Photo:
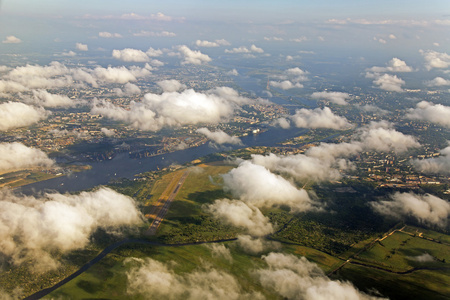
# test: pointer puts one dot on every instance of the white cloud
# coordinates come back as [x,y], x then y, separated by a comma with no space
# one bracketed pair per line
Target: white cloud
[69,53]
[81,47]
[299,39]
[207,44]
[154,52]
[108,132]
[286,85]
[219,136]
[11,40]
[394,65]
[434,59]
[144,33]
[273,38]
[220,251]
[295,277]
[161,17]
[43,98]
[426,208]
[243,49]
[153,279]
[192,56]
[392,37]
[57,75]
[15,114]
[128,89]
[105,34]
[319,118]
[434,113]
[389,83]
[323,162]
[435,165]
[233,72]
[438,81]
[171,85]
[381,136]
[33,229]
[18,156]
[335,97]
[256,245]
[130,55]
[240,214]
[256,185]
[175,109]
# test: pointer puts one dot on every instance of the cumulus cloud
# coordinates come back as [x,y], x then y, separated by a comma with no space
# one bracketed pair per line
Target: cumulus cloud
[219,136]
[108,132]
[434,165]
[394,65]
[130,55]
[319,118]
[390,83]
[175,108]
[14,115]
[18,156]
[335,97]
[171,85]
[144,33]
[381,136]
[220,251]
[43,98]
[33,229]
[154,52]
[243,49]
[297,278]
[291,78]
[81,47]
[11,39]
[57,75]
[434,113]
[128,89]
[242,215]
[438,81]
[256,185]
[256,245]
[424,258]
[105,34]
[69,53]
[426,208]
[154,279]
[323,162]
[286,85]
[216,43]
[192,56]
[434,59]
[233,72]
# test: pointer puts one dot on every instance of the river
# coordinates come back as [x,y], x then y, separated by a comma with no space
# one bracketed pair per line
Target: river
[122,166]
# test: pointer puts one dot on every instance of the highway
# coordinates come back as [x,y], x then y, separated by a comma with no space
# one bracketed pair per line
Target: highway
[161,207]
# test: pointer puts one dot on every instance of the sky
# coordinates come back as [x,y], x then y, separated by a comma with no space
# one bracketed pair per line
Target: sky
[342,23]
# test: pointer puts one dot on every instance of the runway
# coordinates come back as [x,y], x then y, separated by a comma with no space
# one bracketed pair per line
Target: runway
[161,207]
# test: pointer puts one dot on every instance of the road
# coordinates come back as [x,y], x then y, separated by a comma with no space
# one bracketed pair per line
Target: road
[161,207]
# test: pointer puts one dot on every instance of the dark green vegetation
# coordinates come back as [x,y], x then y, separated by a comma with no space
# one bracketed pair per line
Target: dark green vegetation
[409,264]
[346,228]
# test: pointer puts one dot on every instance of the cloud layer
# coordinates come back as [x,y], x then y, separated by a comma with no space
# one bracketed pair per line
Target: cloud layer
[434,113]
[18,156]
[15,114]
[219,136]
[335,97]
[175,108]
[426,209]
[297,278]
[31,229]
